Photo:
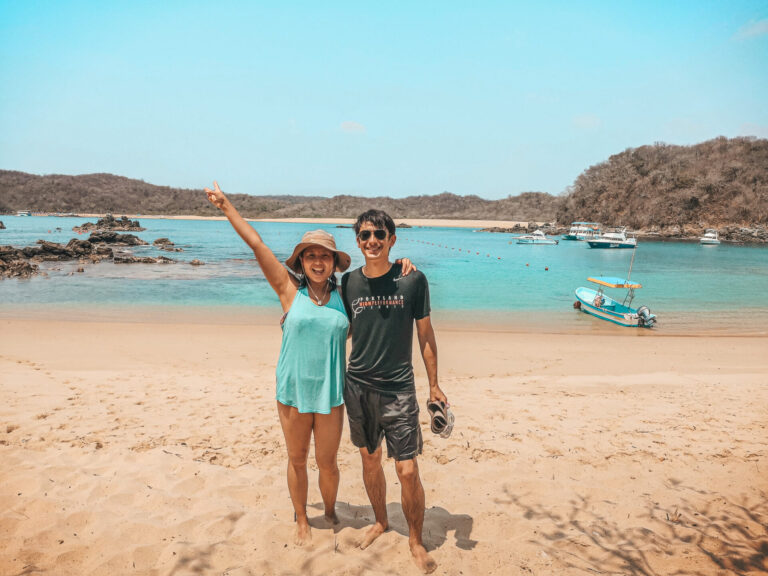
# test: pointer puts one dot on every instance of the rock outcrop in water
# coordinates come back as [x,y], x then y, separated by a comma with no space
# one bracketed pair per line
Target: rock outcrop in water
[109,222]
[24,262]
[110,237]
[166,245]
[2,226]
[131,259]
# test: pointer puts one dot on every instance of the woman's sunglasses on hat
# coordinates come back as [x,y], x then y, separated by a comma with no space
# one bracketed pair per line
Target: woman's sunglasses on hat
[365,235]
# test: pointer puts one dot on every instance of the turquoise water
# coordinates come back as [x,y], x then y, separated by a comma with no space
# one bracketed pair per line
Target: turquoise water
[472,274]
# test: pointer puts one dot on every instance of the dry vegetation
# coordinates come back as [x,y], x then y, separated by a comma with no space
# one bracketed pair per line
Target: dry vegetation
[716,183]
[101,193]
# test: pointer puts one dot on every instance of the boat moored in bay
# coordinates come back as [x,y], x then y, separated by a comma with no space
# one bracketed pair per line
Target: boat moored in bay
[583,231]
[615,238]
[598,304]
[710,238]
[538,237]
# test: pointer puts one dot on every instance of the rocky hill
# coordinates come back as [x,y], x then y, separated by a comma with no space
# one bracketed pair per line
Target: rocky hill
[665,190]
[675,189]
[102,193]
[527,206]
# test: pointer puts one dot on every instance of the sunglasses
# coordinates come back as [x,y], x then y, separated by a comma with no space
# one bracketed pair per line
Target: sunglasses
[366,234]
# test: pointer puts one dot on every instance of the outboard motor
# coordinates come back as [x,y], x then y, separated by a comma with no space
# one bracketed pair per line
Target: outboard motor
[645,317]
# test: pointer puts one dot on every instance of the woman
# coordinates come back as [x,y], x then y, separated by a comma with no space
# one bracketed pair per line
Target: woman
[311,367]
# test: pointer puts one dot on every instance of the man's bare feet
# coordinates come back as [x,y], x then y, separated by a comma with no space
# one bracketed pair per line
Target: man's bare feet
[331,518]
[303,534]
[423,560]
[373,532]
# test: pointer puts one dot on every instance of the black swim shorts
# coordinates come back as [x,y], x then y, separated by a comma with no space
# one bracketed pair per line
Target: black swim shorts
[374,415]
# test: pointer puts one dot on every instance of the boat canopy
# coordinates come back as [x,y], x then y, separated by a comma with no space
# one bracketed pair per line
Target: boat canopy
[613,282]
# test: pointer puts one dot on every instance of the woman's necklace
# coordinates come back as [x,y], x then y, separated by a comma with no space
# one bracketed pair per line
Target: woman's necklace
[314,295]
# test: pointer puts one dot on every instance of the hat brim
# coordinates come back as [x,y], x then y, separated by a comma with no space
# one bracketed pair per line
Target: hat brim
[343,259]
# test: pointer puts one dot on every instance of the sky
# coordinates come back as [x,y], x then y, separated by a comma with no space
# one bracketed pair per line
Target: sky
[371,98]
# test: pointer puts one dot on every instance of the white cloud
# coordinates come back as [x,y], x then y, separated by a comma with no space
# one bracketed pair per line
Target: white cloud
[754,130]
[350,127]
[752,29]
[587,122]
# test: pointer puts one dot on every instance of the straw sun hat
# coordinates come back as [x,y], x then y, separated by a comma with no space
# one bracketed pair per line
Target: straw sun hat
[318,238]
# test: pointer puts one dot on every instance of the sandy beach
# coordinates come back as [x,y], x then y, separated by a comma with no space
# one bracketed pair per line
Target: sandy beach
[154,448]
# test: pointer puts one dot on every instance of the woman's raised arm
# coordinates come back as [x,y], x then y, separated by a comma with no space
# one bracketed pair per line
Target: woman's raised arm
[274,271]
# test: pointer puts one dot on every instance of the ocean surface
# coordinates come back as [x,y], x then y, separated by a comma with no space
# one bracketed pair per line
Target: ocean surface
[475,277]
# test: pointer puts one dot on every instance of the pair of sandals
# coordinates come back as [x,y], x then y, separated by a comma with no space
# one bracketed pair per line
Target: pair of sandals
[441,418]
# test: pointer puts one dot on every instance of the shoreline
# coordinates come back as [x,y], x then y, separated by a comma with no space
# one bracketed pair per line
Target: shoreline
[534,322]
[750,238]
[415,222]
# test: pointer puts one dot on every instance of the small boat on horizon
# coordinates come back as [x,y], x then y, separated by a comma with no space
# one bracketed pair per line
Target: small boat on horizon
[538,237]
[615,238]
[24,213]
[583,231]
[710,238]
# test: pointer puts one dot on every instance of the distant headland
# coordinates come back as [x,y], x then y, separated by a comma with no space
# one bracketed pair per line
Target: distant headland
[658,190]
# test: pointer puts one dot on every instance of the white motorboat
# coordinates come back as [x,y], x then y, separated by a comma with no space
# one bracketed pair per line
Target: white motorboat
[616,238]
[538,237]
[583,231]
[710,238]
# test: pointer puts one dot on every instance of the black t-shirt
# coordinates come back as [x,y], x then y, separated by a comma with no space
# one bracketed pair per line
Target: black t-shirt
[381,313]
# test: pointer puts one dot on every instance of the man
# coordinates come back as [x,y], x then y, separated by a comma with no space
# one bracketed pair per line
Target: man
[380,393]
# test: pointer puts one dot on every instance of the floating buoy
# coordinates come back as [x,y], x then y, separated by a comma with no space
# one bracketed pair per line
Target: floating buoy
[546,268]
[527,264]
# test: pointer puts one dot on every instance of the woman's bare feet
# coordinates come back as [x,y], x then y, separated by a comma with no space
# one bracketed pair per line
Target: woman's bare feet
[423,560]
[303,534]
[373,532]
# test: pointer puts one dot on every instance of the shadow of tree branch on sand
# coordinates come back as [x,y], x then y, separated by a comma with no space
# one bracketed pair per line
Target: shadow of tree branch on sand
[197,559]
[691,539]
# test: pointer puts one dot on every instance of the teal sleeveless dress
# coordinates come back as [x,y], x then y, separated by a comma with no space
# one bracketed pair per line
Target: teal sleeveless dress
[311,367]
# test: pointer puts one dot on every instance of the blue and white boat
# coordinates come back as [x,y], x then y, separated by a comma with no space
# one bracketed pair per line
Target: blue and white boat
[537,237]
[583,231]
[616,238]
[600,305]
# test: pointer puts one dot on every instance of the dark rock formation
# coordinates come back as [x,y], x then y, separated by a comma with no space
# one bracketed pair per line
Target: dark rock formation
[13,264]
[17,269]
[109,222]
[2,226]
[109,237]
[167,245]
[516,229]
[131,259]
[23,262]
